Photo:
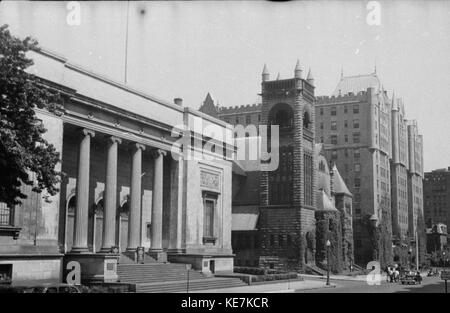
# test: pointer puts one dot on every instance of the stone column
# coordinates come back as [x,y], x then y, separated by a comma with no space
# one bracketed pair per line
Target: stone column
[134,219]
[157,203]
[80,240]
[109,214]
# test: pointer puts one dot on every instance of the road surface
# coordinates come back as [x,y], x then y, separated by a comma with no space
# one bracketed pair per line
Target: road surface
[429,285]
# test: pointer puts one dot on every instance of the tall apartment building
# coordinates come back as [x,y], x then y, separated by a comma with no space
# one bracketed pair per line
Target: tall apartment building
[399,172]
[354,124]
[415,177]
[436,191]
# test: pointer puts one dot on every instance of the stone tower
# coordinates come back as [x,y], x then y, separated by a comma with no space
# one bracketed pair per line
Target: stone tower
[287,197]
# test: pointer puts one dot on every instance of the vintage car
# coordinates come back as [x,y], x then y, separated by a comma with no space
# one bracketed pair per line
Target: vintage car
[410,278]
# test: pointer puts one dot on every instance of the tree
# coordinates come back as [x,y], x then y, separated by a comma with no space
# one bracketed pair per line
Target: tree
[22,146]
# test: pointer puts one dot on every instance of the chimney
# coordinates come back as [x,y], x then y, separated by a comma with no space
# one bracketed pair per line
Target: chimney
[178,101]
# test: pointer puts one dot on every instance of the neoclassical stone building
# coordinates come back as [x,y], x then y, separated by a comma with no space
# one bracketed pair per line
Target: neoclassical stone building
[130,184]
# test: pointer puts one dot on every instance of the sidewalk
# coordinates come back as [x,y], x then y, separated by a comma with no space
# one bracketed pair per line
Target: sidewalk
[283,287]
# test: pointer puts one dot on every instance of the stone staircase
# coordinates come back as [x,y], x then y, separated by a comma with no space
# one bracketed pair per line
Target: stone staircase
[168,277]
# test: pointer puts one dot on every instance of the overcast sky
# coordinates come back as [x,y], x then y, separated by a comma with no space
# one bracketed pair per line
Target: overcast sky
[186,49]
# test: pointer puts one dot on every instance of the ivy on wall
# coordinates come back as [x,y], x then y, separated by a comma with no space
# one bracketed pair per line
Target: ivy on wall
[328,227]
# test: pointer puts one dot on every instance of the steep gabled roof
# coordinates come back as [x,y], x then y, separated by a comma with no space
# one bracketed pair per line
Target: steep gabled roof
[324,203]
[339,186]
[357,83]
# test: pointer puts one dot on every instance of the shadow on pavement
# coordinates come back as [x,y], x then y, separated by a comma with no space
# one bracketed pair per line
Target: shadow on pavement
[438,287]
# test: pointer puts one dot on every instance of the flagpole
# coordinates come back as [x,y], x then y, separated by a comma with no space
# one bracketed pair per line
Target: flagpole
[126,42]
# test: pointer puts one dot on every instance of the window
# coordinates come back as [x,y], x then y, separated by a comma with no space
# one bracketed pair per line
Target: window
[356,109]
[289,240]
[346,138]
[5,215]
[321,125]
[333,111]
[346,151]
[237,120]
[356,138]
[355,123]
[321,111]
[209,205]
[334,140]
[259,117]
[357,182]
[280,180]
[321,139]
[280,240]
[345,124]
[357,167]
[248,119]
[345,109]
[272,240]
[334,125]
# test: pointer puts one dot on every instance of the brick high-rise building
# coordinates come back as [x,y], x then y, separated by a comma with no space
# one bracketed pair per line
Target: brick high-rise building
[436,189]
[380,155]
[354,126]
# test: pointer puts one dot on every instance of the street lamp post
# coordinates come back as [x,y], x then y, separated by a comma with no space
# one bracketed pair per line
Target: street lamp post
[328,244]
[410,258]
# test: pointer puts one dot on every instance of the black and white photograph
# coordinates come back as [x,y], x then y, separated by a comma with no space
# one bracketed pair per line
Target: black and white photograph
[214,149]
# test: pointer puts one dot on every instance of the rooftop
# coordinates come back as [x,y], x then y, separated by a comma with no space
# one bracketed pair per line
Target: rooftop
[357,83]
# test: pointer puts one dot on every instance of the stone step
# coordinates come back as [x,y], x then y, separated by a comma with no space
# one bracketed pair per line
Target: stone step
[181,286]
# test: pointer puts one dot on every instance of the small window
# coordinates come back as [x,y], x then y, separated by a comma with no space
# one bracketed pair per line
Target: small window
[346,138]
[357,167]
[334,139]
[334,125]
[355,123]
[280,240]
[356,109]
[356,138]
[248,119]
[321,125]
[333,111]
[321,111]
[237,120]
[321,139]
[356,154]
[345,124]
[345,109]
[357,182]
[272,240]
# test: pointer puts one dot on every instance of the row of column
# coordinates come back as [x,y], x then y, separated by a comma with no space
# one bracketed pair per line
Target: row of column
[110,196]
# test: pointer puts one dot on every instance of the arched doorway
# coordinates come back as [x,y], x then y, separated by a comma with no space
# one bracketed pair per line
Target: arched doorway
[122,225]
[98,225]
[70,222]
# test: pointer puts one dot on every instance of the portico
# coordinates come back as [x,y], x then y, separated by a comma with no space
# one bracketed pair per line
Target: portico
[127,182]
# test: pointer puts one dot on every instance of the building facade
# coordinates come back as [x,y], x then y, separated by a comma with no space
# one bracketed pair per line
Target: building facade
[354,126]
[275,212]
[436,187]
[379,153]
[130,185]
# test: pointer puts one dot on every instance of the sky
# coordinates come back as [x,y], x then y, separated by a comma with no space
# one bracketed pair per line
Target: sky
[189,48]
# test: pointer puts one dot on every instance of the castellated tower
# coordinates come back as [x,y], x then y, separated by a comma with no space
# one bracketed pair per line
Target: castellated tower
[287,197]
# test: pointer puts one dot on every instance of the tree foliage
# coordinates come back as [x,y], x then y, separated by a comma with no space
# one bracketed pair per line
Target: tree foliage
[23,149]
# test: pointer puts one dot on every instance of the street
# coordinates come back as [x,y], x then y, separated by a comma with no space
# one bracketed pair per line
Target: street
[429,285]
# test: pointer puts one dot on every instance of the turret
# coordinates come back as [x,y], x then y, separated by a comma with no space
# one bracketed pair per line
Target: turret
[310,78]
[265,74]
[298,70]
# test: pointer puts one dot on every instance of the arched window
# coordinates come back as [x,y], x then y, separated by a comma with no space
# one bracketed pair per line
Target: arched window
[281,114]
[71,206]
[124,209]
